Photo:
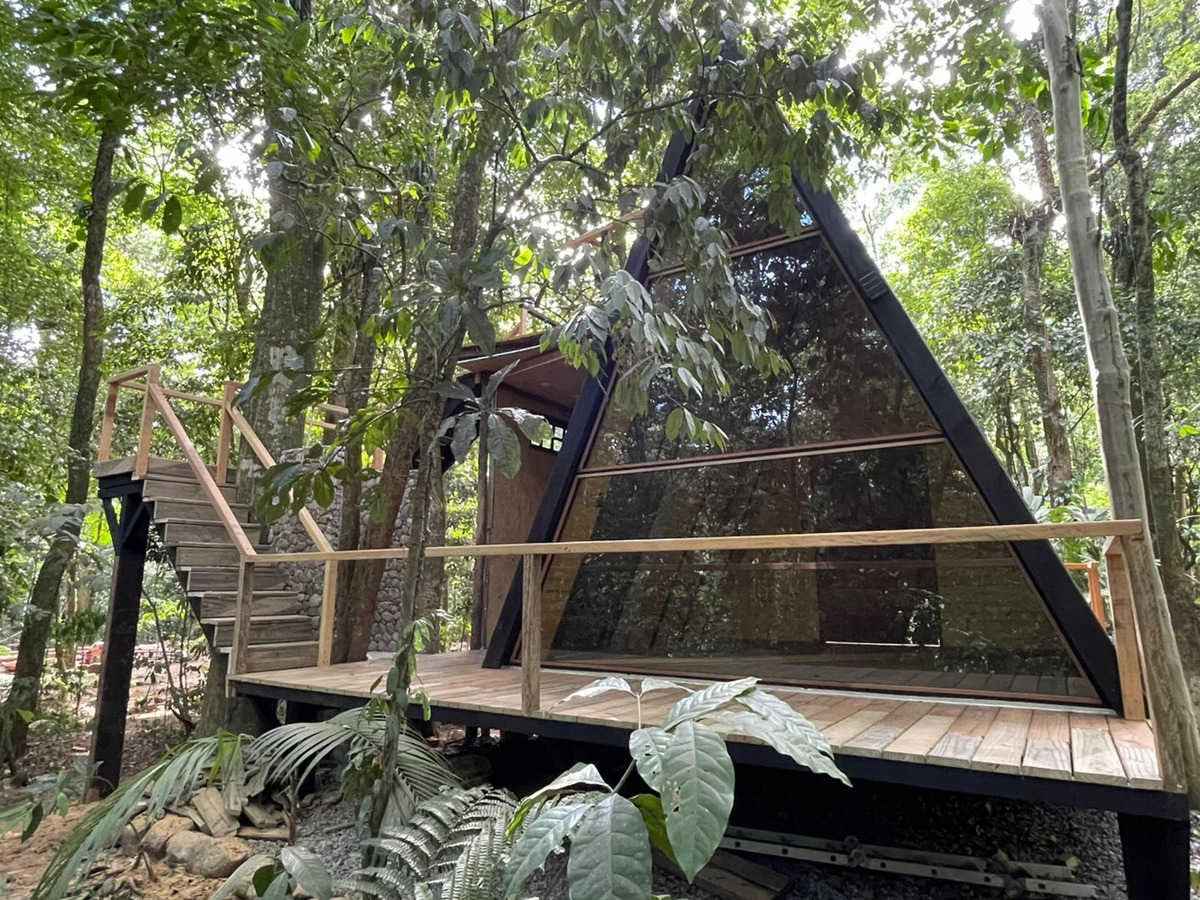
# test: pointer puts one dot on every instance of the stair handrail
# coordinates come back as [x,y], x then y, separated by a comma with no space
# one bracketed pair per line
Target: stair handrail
[160,404]
[329,581]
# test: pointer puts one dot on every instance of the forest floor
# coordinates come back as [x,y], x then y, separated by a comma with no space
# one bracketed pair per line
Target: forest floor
[938,821]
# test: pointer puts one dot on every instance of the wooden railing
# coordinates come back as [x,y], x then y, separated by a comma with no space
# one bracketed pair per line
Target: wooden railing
[1118,532]
[156,402]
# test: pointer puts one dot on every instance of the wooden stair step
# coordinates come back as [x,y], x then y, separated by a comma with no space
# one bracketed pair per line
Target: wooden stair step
[269,657]
[195,510]
[280,629]
[172,468]
[202,579]
[190,554]
[161,487]
[223,604]
[195,531]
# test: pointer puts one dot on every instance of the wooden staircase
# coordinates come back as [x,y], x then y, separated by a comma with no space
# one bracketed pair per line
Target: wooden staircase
[282,634]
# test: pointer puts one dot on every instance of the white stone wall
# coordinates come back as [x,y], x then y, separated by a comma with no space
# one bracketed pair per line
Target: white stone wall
[288,536]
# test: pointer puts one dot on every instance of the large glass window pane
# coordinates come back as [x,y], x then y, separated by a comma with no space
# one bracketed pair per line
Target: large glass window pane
[953,617]
[844,382]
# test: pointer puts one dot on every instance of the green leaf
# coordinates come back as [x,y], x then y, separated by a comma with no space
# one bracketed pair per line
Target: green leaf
[503,446]
[776,735]
[674,423]
[697,779]
[172,215]
[655,819]
[308,870]
[651,683]
[708,699]
[539,839]
[322,488]
[646,746]
[255,864]
[598,687]
[778,712]
[610,854]
[134,198]
[479,327]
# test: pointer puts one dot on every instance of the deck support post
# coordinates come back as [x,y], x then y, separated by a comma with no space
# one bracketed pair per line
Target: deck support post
[120,642]
[1129,653]
[531,635]
[1155,852]
[141,462]
[238,663]
[328,613]
[225,437]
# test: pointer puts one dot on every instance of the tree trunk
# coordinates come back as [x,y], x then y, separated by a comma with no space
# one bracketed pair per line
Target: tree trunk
[433,578]
[43,599]
[1033,233]
[1160,494]
[447,338]
[292,301]
[1175,722]
[356,607]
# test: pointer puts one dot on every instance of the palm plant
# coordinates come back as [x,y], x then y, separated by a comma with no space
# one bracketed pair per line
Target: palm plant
[244,766]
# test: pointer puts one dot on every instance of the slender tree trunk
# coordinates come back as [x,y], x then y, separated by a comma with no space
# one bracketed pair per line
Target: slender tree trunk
[43,599]
[1160,494]
[1179,742]
[447,339]
[356,607]
[1033,232]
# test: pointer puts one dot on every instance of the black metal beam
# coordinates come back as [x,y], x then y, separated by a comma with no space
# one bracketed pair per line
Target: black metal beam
[1156,855]
[120,642]
[1083,633]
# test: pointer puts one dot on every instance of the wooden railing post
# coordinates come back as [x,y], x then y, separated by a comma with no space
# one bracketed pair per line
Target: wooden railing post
[531,635]
[238,663]
[142,462]
[328,604]
[104,451]
[1129,659]
[225,437]
[1096,592]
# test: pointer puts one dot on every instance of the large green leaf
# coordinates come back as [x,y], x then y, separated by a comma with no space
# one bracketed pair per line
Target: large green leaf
[697,793]
[655,819]
[539,839]
[308,870]
[708,699]
[646,746]
[778,736]
[598,687]
[775,710]
[610,855]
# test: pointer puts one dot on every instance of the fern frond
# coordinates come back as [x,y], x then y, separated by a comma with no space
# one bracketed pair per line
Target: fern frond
[455,844]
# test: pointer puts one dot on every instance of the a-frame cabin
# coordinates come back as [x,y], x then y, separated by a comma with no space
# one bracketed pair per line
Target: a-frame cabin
[962,657]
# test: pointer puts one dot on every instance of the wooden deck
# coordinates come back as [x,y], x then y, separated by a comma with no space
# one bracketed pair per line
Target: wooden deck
[1034,741]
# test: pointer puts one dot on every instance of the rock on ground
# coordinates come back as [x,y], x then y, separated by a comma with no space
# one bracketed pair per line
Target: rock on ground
[208,857]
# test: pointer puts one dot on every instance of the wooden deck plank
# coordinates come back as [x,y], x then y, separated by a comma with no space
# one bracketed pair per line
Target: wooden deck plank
[856,723]
[1048,749]
[1093,754]
[1003,747]
[962,739]
[915,743]
[872,741]
[1138,751]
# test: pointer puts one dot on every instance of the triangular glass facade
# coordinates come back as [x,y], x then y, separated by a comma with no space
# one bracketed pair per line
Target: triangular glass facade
[841,442]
